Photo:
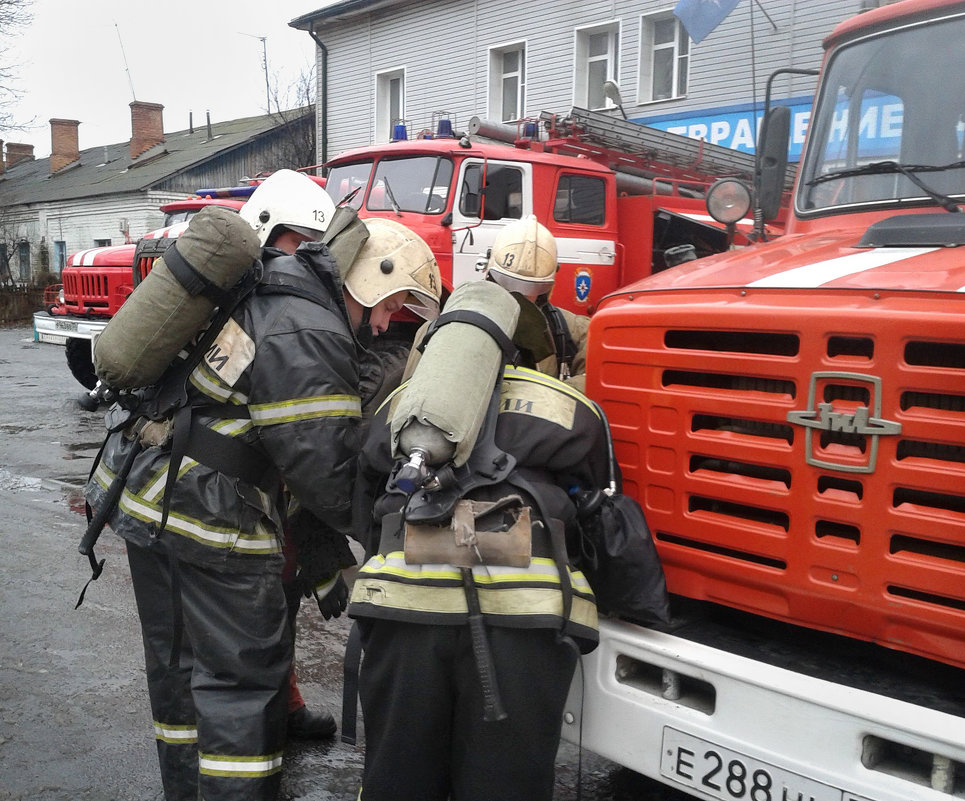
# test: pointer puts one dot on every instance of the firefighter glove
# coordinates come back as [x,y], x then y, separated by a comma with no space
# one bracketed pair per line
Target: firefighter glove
[332,596]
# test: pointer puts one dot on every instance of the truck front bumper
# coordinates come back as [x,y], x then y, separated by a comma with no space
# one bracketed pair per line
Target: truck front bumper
[58,329]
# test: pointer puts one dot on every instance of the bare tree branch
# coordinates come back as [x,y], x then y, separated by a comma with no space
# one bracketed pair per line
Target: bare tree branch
[288,106]
[14,16]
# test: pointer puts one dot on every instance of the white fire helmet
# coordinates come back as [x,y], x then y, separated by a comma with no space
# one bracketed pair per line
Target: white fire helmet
[523,258]
[393,259]
[289,199]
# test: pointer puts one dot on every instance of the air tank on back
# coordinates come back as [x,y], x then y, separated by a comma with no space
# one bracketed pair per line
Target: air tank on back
[442,407]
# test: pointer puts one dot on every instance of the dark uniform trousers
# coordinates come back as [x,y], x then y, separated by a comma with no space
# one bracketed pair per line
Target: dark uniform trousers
[219,696]
[423,713]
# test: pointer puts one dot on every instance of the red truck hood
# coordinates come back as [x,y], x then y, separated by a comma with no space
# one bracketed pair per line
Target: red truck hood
[829,260]
[111,256]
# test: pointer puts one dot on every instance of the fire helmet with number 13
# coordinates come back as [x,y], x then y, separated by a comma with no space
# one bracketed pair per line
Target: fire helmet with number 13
[288,200]
[523,258]
[395,259]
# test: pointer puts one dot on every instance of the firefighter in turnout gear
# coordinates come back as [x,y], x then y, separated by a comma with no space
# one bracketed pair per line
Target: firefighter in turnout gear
[473,712]
[272,403]
[523,260]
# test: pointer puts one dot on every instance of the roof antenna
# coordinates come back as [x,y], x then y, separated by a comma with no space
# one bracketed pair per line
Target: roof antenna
[124,56]
[264,64]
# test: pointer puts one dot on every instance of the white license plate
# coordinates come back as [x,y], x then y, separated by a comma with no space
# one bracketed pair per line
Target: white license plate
[65,325]
[721,773]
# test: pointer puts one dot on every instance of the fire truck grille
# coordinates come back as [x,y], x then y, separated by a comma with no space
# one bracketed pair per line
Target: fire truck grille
[812,470]
[87,290]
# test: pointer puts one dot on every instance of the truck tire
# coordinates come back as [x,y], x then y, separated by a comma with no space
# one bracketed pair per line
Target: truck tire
[80,362]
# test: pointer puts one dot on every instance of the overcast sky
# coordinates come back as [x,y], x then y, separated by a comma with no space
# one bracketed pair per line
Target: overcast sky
[187,55]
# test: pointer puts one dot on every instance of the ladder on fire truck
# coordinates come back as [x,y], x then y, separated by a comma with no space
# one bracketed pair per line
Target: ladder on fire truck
[630,146]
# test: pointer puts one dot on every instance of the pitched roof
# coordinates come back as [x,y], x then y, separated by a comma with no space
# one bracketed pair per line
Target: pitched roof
[337,10]
[110,170]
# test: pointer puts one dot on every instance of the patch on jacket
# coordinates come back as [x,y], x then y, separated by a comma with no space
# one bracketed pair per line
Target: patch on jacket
[230,353]
[536,400]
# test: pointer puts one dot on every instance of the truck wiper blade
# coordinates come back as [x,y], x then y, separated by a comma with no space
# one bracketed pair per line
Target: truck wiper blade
[391,196]
[908,170]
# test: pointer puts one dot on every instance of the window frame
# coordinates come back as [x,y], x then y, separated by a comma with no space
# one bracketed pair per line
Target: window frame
[582,61]
[23,260]
[498,76]
[680,74]
[384,119]
[60,255]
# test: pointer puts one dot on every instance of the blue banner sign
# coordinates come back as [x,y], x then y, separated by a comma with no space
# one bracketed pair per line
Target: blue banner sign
[737,126]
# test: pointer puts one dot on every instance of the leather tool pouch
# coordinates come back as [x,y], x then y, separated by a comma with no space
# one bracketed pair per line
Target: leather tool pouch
[479,533]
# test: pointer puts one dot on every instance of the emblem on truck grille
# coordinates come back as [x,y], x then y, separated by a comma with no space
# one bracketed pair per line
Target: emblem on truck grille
[862,424]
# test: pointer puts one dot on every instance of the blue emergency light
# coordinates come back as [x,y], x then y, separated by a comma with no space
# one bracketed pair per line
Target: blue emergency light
[398,132]
[444,129]
[230,191]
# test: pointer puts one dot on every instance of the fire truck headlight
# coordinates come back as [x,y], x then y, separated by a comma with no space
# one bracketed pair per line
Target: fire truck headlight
[728,200]
[60,297]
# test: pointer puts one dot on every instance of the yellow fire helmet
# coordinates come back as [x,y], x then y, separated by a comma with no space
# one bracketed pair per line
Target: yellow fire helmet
[523,258]
[393,259]
[291,200]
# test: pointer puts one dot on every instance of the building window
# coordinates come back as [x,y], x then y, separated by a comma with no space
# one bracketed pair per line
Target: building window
[389,103]
[60,256]
[102,243]
[596,62]
[664,58]
[507,82]
[23,260]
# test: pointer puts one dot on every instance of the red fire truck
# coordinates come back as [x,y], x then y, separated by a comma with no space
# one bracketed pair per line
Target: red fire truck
[615,195]
[791,416]
[95,284]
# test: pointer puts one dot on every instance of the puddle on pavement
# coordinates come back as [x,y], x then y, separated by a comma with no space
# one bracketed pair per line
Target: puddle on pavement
[81,450]
[8,429]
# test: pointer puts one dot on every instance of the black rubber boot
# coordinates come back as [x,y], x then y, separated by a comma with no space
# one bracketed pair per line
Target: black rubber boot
[303,724]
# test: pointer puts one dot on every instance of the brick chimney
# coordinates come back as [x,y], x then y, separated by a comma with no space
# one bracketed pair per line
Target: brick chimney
[1,157]
[147,127]
[17,153]
[63,144]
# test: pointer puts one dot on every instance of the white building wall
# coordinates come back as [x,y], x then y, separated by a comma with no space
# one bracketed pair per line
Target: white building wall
[443,46]
[80,223]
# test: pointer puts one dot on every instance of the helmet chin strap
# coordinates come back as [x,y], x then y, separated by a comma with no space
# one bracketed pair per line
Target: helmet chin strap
[364,331]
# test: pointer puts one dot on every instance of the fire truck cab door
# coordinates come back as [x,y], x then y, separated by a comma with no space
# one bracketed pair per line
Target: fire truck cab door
[506,195]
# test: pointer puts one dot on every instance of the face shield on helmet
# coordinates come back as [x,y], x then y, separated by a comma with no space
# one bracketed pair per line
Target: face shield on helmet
[288,199]
[523,258]
[395,259]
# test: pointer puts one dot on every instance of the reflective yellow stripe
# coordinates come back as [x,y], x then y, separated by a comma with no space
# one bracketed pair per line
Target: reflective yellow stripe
[209,384]
[542,570]
[522,374]
[261,541]
[241,767]
[176,734]
[536,377]
[521,602]
[306,409]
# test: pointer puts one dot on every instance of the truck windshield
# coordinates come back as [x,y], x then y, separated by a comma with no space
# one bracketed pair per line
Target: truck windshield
[889,122]
[419,184]
[349,179]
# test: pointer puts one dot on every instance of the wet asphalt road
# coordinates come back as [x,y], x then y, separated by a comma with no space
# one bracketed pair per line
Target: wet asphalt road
[74,716]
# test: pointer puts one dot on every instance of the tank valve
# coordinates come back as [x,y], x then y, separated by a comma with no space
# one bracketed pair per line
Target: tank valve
[413,474]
